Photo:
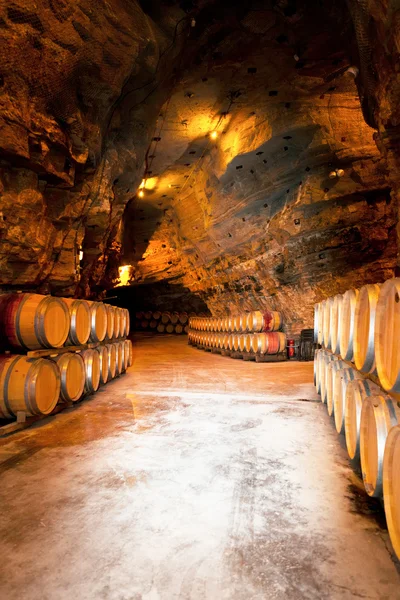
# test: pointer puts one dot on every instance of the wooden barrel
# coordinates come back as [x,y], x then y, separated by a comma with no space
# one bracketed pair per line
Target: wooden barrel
[356,392]
[128,353]
[248,342]
[98,321]
[333,367]
[153,324]
[127,322]
[237,323]
[144,323]
[169,328]
[272,320]
[120,350]
[387,336]
[110,321]
[316,314]
[72,372]
[174,318]
[321,312]
[364,328]
[103,355]
[122,327]
[327,323]
[186,329]
[178,328]
[161,328]
[268,343]
[148,315]
[230,341]
[28,385]
[165,318]
[32,321]
[183,318]
[378,416]
[391,487]
[79,313]
[324,373]
[235,342]
[255,321]
[336,320]
[112,360]
[346,338]
[342,379]
[91,359]
[317,358]
[156,315]
[242,342]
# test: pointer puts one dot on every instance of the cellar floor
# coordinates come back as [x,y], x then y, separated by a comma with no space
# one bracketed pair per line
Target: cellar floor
[191,477]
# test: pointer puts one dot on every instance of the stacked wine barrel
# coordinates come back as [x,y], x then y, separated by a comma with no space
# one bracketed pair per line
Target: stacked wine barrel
[34,373]
[256,333]
[357,373]
[162,322]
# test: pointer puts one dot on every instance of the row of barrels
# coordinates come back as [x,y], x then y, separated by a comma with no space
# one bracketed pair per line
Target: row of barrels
[363,326]
[33,321]
[254,322]
[35,386]
[369,419]
[165,318]
[257,343]
[152,325]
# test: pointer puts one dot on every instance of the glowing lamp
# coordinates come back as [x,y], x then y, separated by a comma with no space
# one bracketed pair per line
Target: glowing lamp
[213,135]
[124,275]
[141,193]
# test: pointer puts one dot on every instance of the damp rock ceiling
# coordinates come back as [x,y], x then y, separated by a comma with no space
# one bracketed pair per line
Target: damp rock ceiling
[96,97]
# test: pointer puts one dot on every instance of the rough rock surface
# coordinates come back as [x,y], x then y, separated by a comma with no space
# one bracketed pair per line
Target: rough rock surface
[97,97]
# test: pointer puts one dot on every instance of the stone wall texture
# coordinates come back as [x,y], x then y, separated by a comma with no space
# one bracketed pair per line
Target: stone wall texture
[96,97]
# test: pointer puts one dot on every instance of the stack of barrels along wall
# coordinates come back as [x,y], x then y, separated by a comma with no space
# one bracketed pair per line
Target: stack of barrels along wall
[257,333]
[357,374]
[163,322]
[96,333]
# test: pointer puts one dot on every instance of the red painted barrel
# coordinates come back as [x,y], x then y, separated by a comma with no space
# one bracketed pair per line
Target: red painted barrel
[272,320]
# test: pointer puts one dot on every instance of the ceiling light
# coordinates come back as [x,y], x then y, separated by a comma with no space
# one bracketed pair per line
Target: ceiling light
[141,193]
[214,135]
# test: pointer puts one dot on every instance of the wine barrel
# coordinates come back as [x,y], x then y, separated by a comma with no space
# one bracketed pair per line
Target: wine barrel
[98,321]
[112,360]
[157,315]
[174,318]
[387,336]
[242,342]
[148,315]
[356,392]
[346,338]
[178,328]
[333,367]
[327,323]
[139,315]
[236,323]
[127,322]
[161,328]
[391,487]
[336,321]
[92,370]
[321,312]
[230,341]
[153,324]
[186,329]
[316,366]
[268,343]
[144,324]
[110,321]
[120,350]
[169,328]
[32,321]
[316,314]
[342,379]
[272,320]
[165,318]
[183,318]
[255,321]
[248,342]
[117,322]
[235,342]
[364,328]
[79,313]
[28,385]
[128,353]
[103,355]
[72,372]
[324,373]
[378,416]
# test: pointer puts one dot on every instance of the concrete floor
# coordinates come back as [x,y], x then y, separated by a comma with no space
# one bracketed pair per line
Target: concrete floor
[191,477]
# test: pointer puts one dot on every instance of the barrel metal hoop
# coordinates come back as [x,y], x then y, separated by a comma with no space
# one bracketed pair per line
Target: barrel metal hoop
[39,322]
[6,382]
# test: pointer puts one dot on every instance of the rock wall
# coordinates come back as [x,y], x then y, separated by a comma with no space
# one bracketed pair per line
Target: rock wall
[97,97]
